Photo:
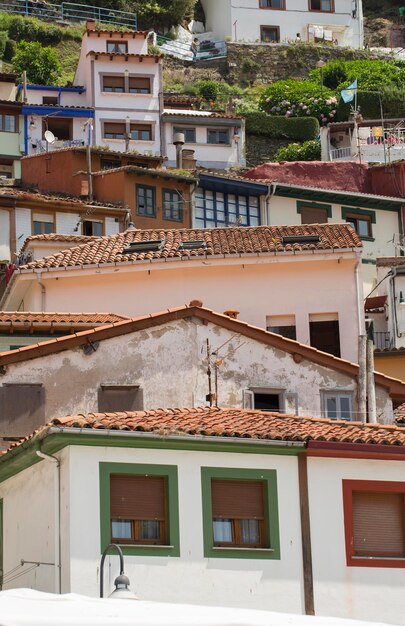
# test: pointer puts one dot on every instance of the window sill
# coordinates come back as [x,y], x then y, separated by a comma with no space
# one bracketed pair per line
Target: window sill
[149,550]
[125,93]
[376,561]
[367,238]
[238,548]
[241,553]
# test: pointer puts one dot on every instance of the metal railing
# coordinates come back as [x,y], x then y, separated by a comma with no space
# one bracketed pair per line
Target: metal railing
[70,12]
[181,50]
[340,153]
[382,340]
[59,144]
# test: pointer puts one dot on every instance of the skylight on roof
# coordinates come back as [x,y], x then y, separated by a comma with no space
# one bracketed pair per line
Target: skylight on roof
[301,239]
[192,245]
[148,245]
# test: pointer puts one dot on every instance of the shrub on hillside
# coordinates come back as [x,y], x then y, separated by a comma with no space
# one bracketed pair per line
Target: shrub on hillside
[299,99]
[10,49]
[3,43]
[307,151]
[208,89]
[372,75]
[296,128]
[41,63]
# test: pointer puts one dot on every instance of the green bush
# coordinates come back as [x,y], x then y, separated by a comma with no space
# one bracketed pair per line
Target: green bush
[3,43]
[208,89]
[372,75]
[367,101]
[296,128]
[250,66]
[41,64]
[298,99]
[10,49]
[307,151]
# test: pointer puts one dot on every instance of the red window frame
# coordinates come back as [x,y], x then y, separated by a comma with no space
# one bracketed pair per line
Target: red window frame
[282,8]
[377,486]
[320,10]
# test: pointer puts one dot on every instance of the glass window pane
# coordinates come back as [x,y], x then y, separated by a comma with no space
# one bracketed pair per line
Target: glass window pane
[37,228]
[362,228]
[97,229]
[9,123]
[48,228]
[331,408]
[345,412]
[122,529]
[249,531]
[222,530]
[150,529]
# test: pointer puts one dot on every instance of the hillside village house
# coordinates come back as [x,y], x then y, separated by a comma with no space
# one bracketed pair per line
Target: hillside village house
[293,483]
[24,213]
[11,128]
[275,21]
[116,102]
[320,192]
[122,365]
[144,271]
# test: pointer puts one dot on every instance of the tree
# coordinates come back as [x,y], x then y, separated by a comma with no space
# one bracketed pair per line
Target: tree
[162,13]
[41,63]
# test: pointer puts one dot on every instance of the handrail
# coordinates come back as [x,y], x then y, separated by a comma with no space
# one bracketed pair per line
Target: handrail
[206,50]
[69,11]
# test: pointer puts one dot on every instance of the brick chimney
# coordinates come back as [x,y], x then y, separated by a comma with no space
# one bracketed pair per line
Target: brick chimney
[91,25]
[232,313]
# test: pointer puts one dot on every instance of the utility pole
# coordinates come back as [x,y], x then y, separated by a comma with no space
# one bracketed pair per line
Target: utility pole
[372,407]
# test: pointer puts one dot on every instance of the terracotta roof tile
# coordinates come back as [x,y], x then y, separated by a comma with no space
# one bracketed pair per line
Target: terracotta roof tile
[56,238]
[233,424]
[390,261]
[29,195]
[399,415]
[218,241]
[71,319]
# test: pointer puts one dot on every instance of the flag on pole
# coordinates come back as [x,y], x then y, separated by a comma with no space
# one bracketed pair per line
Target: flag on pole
[349,94]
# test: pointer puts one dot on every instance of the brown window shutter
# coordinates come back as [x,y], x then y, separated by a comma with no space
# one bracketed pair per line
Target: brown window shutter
[147,127]
[313,215]
[325,336]
[379,524]
[137,497]
[136,82]
[114,81]
[114,127]
[237,499]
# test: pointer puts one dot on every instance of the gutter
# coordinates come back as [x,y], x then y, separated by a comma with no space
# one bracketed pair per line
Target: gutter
[57,539]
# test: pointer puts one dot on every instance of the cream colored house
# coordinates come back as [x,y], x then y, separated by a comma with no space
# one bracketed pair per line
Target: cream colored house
[119,364]
[77,485]
[302,278]
[11,128]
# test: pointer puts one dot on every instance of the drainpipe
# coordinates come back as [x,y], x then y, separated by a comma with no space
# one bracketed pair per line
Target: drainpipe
[362,349]
[271,190]
[56,463]
[25,133]
[43,291]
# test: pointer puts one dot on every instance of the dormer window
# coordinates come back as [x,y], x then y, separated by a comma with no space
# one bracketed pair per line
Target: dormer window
[118,47]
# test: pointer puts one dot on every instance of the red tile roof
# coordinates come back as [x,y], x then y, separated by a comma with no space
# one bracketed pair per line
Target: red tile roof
[218,241]
[375,303]
[395,387]
[399,415]
[72,319]
[56,238]
[390,261]
[232,424]
[32,196]
[339,175]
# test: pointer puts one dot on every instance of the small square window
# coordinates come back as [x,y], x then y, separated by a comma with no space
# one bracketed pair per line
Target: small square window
[172,205]
[92,228]
[240,513]
[117,47]
[338,405]
[361,224]
[139,508]
[218,137]
[272,4]
[374,515]
[146,201]
[42,223]
[270,34]
[326,6]
[189,134]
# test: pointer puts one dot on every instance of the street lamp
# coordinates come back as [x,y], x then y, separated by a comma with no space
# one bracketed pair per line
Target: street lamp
[321,64]
[121,591]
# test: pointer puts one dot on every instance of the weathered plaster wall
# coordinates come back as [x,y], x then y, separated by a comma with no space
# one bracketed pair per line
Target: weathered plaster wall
[368,593]
[147,357]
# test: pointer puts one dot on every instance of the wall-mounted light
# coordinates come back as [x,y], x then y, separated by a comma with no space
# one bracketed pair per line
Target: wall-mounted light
[32,122]
[121,591]
[401,299]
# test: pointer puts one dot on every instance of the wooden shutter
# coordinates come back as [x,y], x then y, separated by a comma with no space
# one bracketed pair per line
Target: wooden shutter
[114,128]
[378,524]
[325,336]
[237,499]
[136,82]
[313,215]
[114,82]
[248,399]
[137,497]
[141,127]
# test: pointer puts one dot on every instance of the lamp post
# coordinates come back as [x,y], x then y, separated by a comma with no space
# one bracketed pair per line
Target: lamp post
[321,64]
[121,591]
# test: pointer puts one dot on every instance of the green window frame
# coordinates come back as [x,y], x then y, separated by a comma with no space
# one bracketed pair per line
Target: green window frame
[172,507]
[302,204]
[272,532]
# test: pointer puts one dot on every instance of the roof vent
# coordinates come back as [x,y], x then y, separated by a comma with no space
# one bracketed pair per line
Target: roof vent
[192,245]
[301,239]
[148,245]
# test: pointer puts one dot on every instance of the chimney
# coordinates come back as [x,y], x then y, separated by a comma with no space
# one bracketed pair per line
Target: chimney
[232,313]
[91,25]
[179,141]
[196,303]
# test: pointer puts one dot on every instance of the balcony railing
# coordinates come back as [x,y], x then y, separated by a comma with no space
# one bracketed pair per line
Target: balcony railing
[43,146]
[382,340]
[69,11]
[181,50]
[341,154]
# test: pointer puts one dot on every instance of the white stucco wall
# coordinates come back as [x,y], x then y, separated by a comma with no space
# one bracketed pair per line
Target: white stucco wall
[368,593]
[221,17]
[191,578]
[36,135]
[393,287]
[4,235]
[144,358]
[274,285]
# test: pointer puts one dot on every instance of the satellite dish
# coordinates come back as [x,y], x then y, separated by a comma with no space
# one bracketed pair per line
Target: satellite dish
[49,136]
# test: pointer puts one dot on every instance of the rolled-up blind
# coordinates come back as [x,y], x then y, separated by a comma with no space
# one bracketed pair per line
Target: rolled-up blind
[137,82]
[114,81]
[379,524]
[114,127]
[137,497]
[237,499]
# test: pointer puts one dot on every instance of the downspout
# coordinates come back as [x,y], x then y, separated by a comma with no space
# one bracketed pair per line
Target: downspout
[57,559]
[25,133]
[362,348]
[43,291]
[359,297]
[271,190]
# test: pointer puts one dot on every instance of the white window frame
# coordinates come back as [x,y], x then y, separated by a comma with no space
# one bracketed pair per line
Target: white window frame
[338,394]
